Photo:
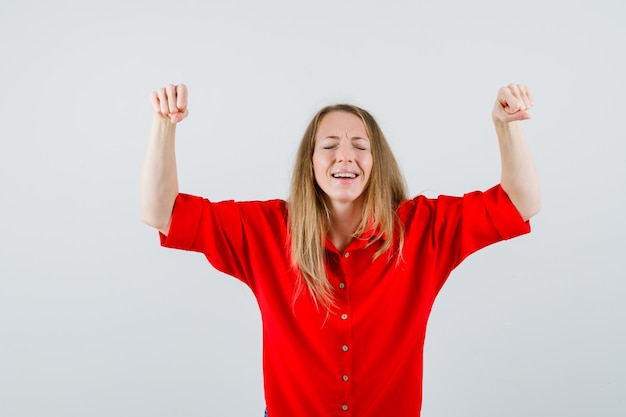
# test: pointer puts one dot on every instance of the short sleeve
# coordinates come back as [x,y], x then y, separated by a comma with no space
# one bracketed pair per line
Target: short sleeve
[442,232]
[487,217]
[239,238]
[186,217]
[214,229]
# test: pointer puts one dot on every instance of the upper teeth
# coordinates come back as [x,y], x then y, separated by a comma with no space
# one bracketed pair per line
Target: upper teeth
[344,175]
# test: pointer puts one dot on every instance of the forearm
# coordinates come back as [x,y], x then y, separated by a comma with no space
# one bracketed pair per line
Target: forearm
[519,175]
[159,178]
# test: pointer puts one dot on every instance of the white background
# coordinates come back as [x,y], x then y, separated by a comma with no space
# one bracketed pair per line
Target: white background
[97,320]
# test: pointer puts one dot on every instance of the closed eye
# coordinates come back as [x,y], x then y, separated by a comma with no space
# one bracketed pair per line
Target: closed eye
[360,143]
[332,142]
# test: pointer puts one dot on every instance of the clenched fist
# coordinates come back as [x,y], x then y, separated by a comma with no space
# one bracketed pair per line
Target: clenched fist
[170,102]
[512,103]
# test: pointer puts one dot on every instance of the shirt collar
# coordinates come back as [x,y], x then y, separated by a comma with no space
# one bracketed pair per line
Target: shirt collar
[358,242]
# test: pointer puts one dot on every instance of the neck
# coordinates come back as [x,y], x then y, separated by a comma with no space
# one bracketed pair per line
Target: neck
[344,221]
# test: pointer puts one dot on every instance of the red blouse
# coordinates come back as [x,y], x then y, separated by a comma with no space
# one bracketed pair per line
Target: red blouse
[365,359]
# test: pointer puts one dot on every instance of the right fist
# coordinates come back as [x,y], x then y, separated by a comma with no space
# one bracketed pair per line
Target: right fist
[170,102]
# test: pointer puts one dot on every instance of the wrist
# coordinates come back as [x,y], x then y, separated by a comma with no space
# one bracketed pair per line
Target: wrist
[501,125]
[163,126]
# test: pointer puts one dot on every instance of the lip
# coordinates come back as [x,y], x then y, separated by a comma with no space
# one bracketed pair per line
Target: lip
[344,180]
[344,171]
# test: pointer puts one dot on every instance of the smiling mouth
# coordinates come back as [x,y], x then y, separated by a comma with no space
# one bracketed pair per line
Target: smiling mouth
[348,175]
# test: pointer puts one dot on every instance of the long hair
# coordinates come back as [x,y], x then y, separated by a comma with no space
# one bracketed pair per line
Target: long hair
[309,214]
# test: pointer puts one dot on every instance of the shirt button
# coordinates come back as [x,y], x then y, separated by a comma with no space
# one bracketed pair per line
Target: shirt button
[346,378]
[344,317]
[344,348]
[342,286]
[344,407]
[345,255]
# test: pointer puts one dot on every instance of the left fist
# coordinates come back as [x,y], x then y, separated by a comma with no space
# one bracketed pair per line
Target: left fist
[512,103]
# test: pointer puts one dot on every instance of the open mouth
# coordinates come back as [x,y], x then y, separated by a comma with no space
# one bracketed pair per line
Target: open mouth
[346,175]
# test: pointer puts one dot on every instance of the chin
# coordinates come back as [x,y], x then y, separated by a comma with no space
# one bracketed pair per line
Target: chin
[344,199]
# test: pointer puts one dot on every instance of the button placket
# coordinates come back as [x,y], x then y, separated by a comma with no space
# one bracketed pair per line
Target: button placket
[345,373]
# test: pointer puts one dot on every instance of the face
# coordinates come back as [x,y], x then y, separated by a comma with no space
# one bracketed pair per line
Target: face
[342,158]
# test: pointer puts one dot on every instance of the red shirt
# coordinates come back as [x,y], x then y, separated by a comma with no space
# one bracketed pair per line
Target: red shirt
[365,360]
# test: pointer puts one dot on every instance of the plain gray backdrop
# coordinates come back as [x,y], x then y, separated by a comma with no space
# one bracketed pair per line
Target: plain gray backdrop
[97,320]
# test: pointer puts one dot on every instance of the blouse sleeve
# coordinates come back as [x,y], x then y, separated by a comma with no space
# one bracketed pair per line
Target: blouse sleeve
[487,217]
[232,235]
[214,229]
[447,229]
[241,239]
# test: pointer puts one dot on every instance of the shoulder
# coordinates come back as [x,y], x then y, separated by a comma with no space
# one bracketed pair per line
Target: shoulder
[490,203]
[441,206]
[204,207]
[257,211]
[263,206]
[425,203]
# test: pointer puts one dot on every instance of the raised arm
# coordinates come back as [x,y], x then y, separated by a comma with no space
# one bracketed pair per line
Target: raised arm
[159,180]
[519,176]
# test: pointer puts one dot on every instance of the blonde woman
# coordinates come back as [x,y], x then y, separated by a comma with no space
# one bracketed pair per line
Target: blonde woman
[346,270]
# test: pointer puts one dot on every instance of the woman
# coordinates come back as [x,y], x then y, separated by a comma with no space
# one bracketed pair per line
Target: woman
[346,271]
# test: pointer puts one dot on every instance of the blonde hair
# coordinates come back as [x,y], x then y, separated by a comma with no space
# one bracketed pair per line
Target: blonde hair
[309,215]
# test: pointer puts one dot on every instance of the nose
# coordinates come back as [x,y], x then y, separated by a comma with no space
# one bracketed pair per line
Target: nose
[345,153]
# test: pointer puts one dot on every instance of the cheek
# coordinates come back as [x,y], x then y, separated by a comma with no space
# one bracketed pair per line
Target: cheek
[367,166]
[317,167]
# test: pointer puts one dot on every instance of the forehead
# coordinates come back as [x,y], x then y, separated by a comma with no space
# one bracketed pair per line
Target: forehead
[341,123]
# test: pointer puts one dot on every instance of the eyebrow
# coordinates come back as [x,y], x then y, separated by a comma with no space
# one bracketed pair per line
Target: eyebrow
[352,138]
